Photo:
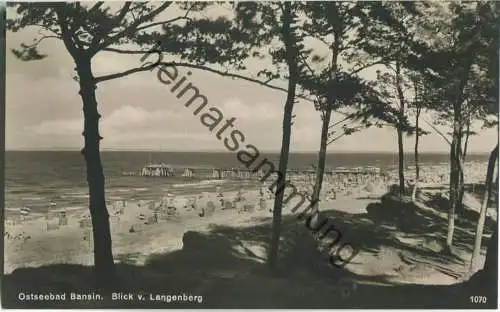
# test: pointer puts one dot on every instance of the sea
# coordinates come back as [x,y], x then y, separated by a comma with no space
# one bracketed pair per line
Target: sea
[35,178]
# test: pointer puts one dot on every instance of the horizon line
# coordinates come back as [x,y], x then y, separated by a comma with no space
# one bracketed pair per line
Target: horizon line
[228,152]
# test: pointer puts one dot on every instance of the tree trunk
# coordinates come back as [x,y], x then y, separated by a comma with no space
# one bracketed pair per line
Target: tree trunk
[103,257]
[285,139]
[461,191]
[466,143]
[320,170]
[417,165]
[401,169]
[455,171]
[484,207]
[399,129]
[490,269]
[464,154]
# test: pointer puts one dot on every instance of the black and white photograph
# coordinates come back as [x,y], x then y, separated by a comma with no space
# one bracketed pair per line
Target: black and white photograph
[250,155]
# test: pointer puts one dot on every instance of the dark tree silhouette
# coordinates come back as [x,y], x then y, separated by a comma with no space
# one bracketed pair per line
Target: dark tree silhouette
[484,206]
[418,106]
[389,37]
[457,65]
[291,56]
[87,30]
[332,87]
[280,22]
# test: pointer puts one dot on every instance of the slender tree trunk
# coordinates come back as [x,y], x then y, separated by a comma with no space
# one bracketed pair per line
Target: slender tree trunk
[103,256]
[484,207]
[452,203]
[401,160]
[460,173]
[466,143]
[285,139]
[417,165]
[320,170]
[401,155]
[464,154]
[455,171]
[461,191]
[490,268]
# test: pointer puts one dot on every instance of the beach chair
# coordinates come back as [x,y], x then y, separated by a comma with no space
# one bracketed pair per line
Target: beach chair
[262,204]
[52,226]
[219,192]
[240,206]
[191,204]
[63,218]
[210,208]
[24,211]
[171,211]
[221,202]
[152,219]
[88,236]
[83,223]
[249,208]
[228,205]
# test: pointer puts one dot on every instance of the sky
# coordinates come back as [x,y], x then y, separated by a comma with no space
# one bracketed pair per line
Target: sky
[44,111]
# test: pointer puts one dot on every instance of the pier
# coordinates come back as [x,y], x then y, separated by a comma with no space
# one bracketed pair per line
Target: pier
[348,175]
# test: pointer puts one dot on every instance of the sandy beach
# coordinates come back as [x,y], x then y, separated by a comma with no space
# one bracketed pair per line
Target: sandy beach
[136,236]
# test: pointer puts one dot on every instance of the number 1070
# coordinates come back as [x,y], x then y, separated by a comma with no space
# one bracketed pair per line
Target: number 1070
[478,299]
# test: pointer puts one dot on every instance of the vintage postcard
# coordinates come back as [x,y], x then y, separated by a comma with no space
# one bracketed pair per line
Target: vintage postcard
[266,155]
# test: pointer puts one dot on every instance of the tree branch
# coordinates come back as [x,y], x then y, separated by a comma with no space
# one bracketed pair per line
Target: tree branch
[437,131]
[357,70]
[185,17]
[114,22]
[163,22]
[96,6]
[188,65]
[45,28]
[133,27]
[37,42]
[338,137]
[121,51]
[65,32]
[341,121]
[123,11]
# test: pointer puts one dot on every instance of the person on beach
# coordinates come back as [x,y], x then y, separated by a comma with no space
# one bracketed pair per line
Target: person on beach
[239,200]
[262,199]
[220,195]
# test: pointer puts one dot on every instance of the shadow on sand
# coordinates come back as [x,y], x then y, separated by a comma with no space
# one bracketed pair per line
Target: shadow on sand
[227,267]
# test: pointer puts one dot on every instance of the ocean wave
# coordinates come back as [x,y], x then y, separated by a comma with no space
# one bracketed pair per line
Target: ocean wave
[200,183]
[114,197]
[34,198]
[121,190]
[12,209]
[74,208]
[75,195]
[128,189]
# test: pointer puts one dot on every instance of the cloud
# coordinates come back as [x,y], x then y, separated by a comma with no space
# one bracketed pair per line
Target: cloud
[245,109]
[51,127]
[129,116]
[44,110]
